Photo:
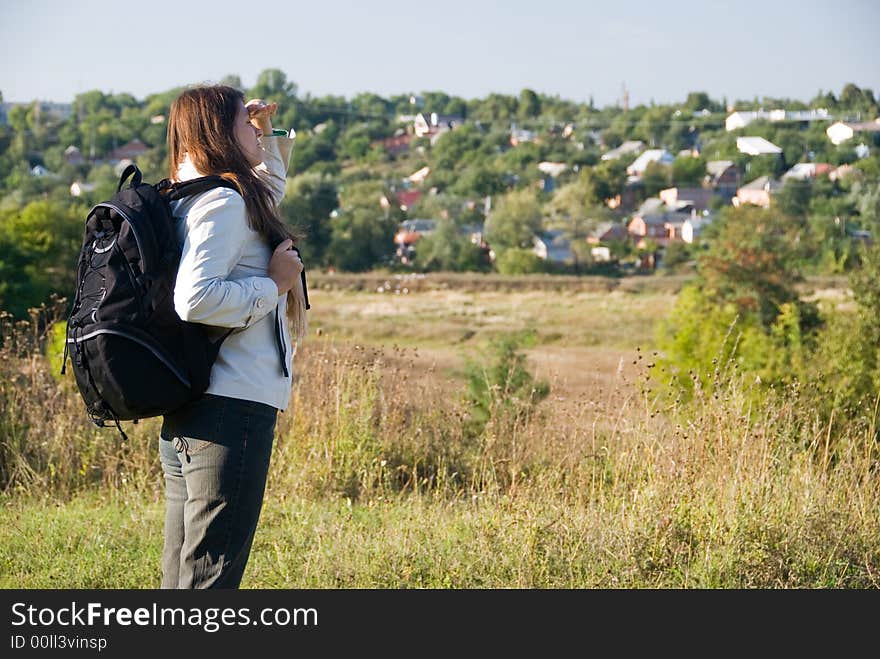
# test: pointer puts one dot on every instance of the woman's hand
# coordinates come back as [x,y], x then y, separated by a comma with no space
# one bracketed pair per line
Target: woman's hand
[261,113]
[285,267]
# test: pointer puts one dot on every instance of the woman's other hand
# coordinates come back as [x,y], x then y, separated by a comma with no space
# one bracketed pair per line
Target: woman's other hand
[285,267]
[261,113]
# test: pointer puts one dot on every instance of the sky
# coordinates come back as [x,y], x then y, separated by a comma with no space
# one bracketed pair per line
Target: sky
[660,50]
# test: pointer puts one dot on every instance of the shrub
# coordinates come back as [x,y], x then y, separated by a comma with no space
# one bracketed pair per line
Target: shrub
[519,262]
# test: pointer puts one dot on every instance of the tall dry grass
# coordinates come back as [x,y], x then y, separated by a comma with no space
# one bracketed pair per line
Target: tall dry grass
[629,481]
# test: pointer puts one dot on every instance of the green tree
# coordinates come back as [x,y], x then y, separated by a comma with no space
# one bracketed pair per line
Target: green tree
[362,233]
[657,177]
[479,180]
[577,209]
[753,264]
[38,248]
[514,221]
[676,255]
[653,125]
[307,206]
[495,107]
[519,261]
[793,198]
[448,248]
[456,147]
[771,165]
[700,100]
[529,104]
[688,171]
[502,389]
[312,149]
[273,85]
[608,178]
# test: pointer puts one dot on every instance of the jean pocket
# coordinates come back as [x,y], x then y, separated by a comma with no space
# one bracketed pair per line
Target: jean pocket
[189,446]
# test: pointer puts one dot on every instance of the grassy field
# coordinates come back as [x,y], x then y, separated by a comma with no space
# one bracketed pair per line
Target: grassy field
[379,479]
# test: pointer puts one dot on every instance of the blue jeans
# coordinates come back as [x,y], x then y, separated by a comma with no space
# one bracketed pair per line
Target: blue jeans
[215,458]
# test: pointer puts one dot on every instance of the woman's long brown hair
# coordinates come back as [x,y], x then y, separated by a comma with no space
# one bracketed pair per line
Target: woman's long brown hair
[201,125]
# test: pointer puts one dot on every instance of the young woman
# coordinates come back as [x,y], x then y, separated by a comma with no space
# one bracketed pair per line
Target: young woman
[215,451]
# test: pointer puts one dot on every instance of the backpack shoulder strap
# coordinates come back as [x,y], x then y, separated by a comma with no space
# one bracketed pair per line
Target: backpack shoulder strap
[136,180]
[197,186]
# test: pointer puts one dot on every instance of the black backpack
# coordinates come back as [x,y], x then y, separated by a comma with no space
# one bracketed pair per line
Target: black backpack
[131,354]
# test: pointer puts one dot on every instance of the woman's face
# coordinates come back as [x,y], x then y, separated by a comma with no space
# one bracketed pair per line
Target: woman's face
[246,136]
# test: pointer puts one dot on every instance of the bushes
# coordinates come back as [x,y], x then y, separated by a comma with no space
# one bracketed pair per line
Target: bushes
[503,388]
[519,262]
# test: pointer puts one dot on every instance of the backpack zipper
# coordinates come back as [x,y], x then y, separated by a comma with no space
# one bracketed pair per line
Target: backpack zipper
[134,283]
[159,355]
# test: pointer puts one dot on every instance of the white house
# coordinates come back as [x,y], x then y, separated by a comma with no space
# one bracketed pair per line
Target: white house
[756,146]
[625,149]
[804,171]
[78,188]
[418,177]
[433,123]
[693,227]
[744,118]
[651,155]
[601,253]
[521,135]
[552,246]
[841,131]
[553,169]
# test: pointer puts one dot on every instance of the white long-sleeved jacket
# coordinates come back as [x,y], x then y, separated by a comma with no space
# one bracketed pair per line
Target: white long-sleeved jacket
[223,282]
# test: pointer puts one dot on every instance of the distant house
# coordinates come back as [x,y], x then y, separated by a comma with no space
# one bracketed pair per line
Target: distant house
[841,172]
[758,192]
[413,229]
[627,199]
[658,222]
[433,123]
[804,171]
[606,232]
[698,198]
[693,227]
[627,148]
[674,226]
[73,156]
[553,246]
[406,199]
[521,135]
[40,171]
[78,188]
[638,167]
[129,151]
[408,234]
[839,132]
[649,221]
[742,119]
[396,145]
[756,146]
[601,253]
[418,177]
[553,169]
[723,177]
